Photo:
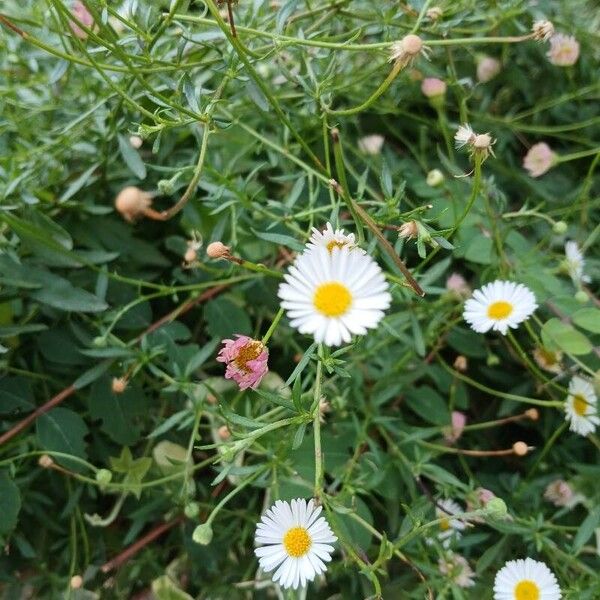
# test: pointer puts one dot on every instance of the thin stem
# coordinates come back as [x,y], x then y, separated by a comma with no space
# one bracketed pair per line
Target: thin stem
[317,428]
[273,326]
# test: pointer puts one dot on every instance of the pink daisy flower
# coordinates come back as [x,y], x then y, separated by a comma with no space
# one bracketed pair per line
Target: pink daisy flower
[246,361]
[539,159]
[81,13]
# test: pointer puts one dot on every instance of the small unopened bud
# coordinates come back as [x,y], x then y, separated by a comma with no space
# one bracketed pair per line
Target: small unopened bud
[533,414]
[461,363]
[435,177]
[542,30]
[581,297]
[483,141]
[166,187]
[45,461]
[76,582]
[432,87]
[434,13]
[487,68]
[191,510]
[496,508]
[203,534]
[136,141]
[408,230]
[217,250]
[412,44]
[132,203]
[520,448]
[190,255]
[407,49]
[211,399]
[118,385]
[560,227]
[223,432]
[103,476]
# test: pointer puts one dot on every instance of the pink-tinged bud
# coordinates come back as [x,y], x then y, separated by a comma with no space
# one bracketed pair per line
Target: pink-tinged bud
[217,250]
[458,422]
[407,49]
[482,141]
[223,432]
[246,361]
[487,68]
[135,141]
[371,144]
[412,44]
[559,492]
[45,461]
[132,203]
[82,14]
[433,87]
[484,496]
[461,363]
[76,582]
[458,286]
[564,50]
[539,159]
[190,255]
[408,230]
[119,384]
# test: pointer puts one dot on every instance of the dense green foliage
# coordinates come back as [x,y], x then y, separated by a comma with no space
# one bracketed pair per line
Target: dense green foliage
[241,129]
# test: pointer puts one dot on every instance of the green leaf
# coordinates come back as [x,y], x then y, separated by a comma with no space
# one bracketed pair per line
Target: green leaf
[280,240]
[134,470]
[131,157]
[224,319]
[588,318]
[557,335]
[15,395]
[10,503]
[14,330]
[164,588]
[118,412]
[586,529]
[60,294]
[62,430]
[299,436]
[429,405]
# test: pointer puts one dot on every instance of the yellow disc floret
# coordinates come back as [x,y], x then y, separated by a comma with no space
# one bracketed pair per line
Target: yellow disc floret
[527,590]
[580,404]
[297,542]
[332,299]
[499,310]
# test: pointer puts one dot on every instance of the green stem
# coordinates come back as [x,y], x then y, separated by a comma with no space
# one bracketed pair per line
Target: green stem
[317,428]
[576,155]
[273,326]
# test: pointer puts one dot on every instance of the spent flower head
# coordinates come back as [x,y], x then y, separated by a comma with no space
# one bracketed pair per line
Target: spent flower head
[246,361]
[542,30]
[564,50]
[539,159]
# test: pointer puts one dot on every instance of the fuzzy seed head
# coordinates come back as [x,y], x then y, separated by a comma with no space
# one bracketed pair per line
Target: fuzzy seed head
[542,30]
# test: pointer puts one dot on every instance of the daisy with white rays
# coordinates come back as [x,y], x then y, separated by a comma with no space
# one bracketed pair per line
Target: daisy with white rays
[526,579]
[330,238]
[334,295]
[297,541]
[450,527]
[581,407]
[498,306]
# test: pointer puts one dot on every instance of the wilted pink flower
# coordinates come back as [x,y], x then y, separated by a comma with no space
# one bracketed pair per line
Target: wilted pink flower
[246,361]
[432,87]
[457,569]
[488,68]
[539,159]
[456,284]
[559,492]
[458,422]
[82,14]
[564,50]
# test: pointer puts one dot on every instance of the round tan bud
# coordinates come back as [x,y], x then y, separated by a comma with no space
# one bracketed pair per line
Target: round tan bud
[533,414]
[217,250]
[118,385]
[520,448]
[76,582]
[482,141]
[461,363]
[434,13]
[132,202]
[190,255]
[412,44]
[45,461]
[408,230]
[223,432]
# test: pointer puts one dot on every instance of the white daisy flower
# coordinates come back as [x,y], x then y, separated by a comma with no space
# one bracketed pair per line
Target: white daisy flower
[334,295]
[498,306]
[464,135]
[575,263]
[330,239]
[449,527]
[581,407]
[525,579]
[297,541]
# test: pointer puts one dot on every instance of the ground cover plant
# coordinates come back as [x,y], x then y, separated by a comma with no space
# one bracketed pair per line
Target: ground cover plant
[298,299]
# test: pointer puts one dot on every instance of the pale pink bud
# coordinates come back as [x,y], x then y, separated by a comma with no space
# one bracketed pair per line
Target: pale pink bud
[45,461]
[217,250]
[190,255]
[488,68]
[223,432]
[458,422]
[135,141]
[432,87]
[118,385]
[82,14]
[564,50]
[132,203]
[539,159]
[371,144]
[408,48]
[456,284]
[484,496]
[559,492]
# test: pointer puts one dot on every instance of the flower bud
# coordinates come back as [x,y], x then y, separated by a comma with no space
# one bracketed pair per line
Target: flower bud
[103,476]
[135,141]
[560,227]
[118,385]
[408,230]
[434,13]
[76,582]
[533,414]
[132,203]
[542,30]
[203,534]
[190,255]
[45,461]
[435,177]
[520,448]
[487,68]
[461,363]
[166,187]
[217,250]
[581,297]
[496,508]
[223,432]
[191,510]
[432,87]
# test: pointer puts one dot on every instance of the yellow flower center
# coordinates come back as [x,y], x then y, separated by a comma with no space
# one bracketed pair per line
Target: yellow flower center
[527,590]
[499,310]
[297,542]
[250,351]
[580,404]
[332,299]
[335,244]
[445,524]
[549,357]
